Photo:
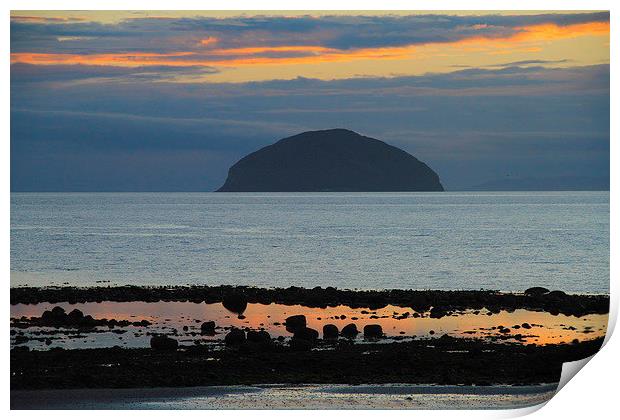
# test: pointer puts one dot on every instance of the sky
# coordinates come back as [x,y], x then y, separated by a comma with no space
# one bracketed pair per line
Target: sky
[168,101]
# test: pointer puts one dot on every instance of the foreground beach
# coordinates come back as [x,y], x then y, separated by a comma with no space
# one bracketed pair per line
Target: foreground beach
[130,337]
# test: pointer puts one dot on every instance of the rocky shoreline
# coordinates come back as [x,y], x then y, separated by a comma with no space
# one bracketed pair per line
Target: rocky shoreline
[440,303]
[247,356]
[444,360]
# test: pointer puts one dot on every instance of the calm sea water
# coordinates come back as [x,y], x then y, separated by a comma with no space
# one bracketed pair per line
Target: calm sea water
[506,241]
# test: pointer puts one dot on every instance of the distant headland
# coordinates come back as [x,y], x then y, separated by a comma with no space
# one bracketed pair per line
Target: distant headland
[330,160]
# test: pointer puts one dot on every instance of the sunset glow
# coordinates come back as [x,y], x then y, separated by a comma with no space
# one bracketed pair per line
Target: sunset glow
[231,54]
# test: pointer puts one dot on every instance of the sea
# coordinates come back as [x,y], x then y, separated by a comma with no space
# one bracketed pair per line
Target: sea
[506,241]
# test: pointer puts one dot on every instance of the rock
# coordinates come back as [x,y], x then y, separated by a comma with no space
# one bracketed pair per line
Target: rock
[298,344]
[556,295]
[257,341]
[438,312]
[295,322]
[330,160]
[56,317]
[259,336]
[350,330]
[307,334]
[47,317]
[163,343]
[235,337]
[58,312]
[75,316]
[88,322]
[536,291]
[373,331]
[235,302]
[208,328]
[330,332]
[526,326]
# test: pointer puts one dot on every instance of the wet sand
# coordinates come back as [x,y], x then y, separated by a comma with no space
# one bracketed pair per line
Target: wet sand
[392,396]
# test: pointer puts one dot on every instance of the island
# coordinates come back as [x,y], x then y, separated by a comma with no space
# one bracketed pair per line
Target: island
[330,160]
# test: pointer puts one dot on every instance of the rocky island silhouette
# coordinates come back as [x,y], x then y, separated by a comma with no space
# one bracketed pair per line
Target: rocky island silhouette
[330,160]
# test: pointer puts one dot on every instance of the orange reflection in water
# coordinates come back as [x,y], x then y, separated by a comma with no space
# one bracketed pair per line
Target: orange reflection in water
[546,328]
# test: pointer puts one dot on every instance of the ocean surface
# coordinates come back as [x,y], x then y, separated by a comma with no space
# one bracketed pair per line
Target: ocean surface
[453,240]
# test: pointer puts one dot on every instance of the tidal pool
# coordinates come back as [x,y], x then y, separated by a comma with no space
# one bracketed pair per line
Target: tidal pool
[183,319]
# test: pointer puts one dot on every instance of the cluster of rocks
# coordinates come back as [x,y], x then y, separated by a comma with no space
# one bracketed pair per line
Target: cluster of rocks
[304,337]
[236,299]
[57,317]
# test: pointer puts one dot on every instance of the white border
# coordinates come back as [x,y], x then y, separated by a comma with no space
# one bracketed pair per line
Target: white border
[592,395]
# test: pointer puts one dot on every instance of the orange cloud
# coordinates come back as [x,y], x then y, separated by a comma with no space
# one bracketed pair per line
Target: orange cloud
[40,19]
[209,41]
[525,39]
[261,50]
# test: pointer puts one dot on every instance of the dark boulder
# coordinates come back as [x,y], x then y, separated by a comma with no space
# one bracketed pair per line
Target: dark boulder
[56,317]
[536,291]
[330,332]
[235,302]
[258,341]
[208,328]
[163,343]
[47,317]
[373,331]
[556,295]
[350,330]
[438,312]
[235,337]
[307,334]
[58,312]
[259,337]
[75,316]
[295,322]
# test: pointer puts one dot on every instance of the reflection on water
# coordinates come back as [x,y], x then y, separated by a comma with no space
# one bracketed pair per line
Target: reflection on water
[183,320]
